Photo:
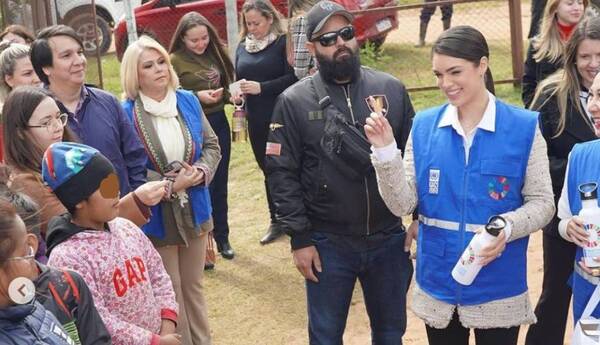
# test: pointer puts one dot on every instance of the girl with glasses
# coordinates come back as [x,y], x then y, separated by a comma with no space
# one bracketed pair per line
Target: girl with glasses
[22,317]
[32,122]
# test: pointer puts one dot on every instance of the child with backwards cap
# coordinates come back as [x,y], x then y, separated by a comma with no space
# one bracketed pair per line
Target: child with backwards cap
[129,284]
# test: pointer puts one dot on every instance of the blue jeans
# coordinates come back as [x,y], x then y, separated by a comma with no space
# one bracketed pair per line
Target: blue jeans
[384,273]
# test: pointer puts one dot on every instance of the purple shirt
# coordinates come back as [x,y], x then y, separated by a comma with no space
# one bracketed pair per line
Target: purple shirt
[100,122]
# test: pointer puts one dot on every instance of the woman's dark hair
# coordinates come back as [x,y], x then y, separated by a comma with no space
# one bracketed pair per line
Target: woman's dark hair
[20,152]
[41,52]
[8,218]
[467,43]
[18,30]
[215,47]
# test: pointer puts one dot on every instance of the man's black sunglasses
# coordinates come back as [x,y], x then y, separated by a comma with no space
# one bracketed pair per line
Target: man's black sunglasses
[329,38]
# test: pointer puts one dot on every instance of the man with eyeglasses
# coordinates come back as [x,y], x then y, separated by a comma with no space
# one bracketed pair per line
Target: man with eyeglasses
[325,189]
[95,116]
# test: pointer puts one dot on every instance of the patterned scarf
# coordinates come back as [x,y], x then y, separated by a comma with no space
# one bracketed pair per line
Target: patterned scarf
[254,45]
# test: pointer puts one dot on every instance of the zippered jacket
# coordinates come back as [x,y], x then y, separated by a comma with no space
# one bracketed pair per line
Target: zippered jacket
[31,323]
[66,295]
[309,191]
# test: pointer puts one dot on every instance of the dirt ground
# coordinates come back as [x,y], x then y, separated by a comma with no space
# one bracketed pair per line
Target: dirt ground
[474,14]
[258,298]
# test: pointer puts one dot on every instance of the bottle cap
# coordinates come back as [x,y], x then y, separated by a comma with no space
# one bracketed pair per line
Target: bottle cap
[588,191]
[495,225]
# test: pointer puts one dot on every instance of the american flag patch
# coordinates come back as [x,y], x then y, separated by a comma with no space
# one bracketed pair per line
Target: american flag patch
[273,149]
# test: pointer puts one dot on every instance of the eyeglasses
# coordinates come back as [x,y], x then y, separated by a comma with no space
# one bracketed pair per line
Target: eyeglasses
[29,256]
[60,121]
[329,38]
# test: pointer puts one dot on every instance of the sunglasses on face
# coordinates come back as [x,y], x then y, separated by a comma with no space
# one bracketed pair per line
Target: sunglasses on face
[328,39]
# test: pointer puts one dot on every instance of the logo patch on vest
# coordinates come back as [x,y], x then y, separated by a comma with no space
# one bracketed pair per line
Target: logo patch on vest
[434,181]
[498,187]
[378,104]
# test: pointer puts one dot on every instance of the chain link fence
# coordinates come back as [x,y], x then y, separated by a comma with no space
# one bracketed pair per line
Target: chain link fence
[500,21]
[393,29]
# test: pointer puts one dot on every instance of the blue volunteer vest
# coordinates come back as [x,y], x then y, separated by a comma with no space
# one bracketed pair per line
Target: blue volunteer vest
[456,199]
[198,196]
[584,166]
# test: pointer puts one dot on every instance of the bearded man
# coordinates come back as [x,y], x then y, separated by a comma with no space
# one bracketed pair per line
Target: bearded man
[325,189]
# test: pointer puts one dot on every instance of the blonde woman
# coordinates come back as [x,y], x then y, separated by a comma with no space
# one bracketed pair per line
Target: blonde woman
[264,72]
[15,70]
[182,147]
[561,100]
[545,52]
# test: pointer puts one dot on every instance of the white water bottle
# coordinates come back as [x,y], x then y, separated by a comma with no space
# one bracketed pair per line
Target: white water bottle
[590,214]
[468,265]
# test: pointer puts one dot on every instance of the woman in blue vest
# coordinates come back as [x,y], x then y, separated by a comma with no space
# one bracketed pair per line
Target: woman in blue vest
[561,100]
[182,148]
[582,167]
[464,162]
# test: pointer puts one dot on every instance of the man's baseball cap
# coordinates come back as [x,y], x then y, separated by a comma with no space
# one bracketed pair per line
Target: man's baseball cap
[320,13]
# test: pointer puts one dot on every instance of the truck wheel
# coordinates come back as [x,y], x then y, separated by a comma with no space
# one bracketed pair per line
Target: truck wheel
[82,23]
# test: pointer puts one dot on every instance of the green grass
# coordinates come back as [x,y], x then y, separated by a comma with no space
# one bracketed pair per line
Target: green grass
[110,73]
[409,64]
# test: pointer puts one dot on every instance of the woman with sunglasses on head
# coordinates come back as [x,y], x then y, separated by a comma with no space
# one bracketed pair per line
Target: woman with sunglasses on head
[32,122]
[466,161]
[546,49]
[263,73]
[561,100]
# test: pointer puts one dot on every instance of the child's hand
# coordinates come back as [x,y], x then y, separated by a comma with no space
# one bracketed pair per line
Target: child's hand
[167,327]
[170,339]
[151,193]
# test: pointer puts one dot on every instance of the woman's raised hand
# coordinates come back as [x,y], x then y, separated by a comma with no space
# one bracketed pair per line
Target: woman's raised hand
[378,130]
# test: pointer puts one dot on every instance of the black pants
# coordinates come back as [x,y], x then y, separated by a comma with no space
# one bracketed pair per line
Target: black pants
[258,131]
[218,186]
[553,307]
[456,334]
[427,11]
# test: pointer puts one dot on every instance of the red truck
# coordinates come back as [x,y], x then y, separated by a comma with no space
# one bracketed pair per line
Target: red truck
[160,17]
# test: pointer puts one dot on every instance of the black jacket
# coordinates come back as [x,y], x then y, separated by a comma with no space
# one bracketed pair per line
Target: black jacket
[309,192]
[534,73]
[66,295]
[577,130]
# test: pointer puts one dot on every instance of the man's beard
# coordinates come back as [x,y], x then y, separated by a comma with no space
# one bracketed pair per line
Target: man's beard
[339,70]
